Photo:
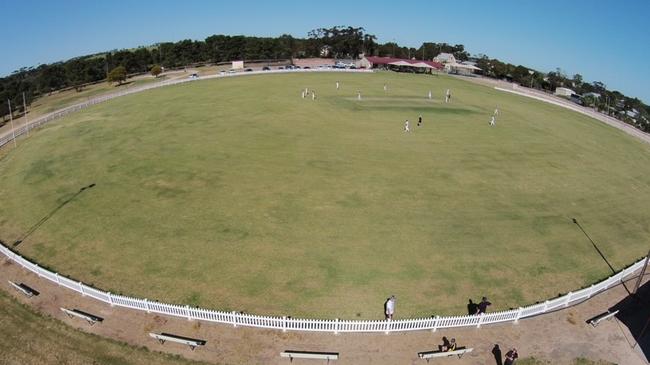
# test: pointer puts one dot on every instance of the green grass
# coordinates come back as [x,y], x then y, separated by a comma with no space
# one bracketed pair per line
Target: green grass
[31,338]
[237,194]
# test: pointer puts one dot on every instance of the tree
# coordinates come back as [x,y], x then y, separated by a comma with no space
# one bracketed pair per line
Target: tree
[118,74]
[156,70]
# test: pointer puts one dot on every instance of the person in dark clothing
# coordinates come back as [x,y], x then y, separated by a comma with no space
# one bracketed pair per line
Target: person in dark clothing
[496,351]
[472,308]
[482,306]
[445,345]
[511,357]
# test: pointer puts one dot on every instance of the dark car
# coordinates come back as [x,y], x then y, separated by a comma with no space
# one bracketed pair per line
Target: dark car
[248,70]
[306,68]
[266,68]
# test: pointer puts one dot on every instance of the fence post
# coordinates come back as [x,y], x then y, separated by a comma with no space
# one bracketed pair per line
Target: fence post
[480,320]
[234,318]
[387,326]
[518,314]
[81,289]
[336,327]
[58,281]
[284,323]
[187,310]
[110,299]
[545,306]
[568,299]
[146,303]
[591,291]
[435,324]
[38,271]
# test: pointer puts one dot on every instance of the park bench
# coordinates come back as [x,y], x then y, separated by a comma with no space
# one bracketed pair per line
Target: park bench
[24,289]
[90,318]
[601,317]
[310,355]
[460,351]
[191,342]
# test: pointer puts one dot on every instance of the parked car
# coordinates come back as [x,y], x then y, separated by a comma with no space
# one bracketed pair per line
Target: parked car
[248,70]
[266,68]
[231,71]
[281,68]
[222,72]
[306,68]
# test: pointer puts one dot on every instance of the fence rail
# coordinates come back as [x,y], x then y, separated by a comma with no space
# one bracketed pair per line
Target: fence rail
[327,325]
[288,323]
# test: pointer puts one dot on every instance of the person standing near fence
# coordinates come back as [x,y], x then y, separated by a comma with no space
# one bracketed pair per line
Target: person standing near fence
[482,306]
[390,308]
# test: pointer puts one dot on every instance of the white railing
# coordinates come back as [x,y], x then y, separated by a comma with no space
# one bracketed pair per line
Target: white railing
[327,325]
[76,107]
[288,323]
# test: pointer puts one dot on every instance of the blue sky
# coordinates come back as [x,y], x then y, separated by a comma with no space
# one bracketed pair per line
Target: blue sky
[603,40]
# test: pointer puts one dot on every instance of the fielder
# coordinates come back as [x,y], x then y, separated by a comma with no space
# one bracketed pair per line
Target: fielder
[448,96]
[407,128]
[337,85]
[359,95]
[313,95]
[493,122]
[385,87]
[429,94]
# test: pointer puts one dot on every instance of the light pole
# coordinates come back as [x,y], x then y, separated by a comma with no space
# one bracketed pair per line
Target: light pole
[531,72]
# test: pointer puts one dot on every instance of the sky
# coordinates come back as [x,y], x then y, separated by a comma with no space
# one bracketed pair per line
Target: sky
[604,40]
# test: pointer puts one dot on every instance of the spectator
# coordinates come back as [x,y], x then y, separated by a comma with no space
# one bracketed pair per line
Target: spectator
[482,306]
[472,308]
[496,351]
[511,357]
[445,345]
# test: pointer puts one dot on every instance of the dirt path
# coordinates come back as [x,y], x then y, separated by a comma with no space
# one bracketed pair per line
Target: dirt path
[560,336]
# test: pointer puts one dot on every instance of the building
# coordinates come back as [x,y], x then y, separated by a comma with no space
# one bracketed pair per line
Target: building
[398,64]
[445,58]
[592,95]
[461,68]
[563,91]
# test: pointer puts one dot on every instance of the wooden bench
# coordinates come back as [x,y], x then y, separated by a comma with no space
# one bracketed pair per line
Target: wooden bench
[601,317]
[24,289]
[460,351]
[92,319]
[310,355]
[191,342]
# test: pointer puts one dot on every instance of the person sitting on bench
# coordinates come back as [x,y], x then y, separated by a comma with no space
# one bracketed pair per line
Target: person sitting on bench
[447,345]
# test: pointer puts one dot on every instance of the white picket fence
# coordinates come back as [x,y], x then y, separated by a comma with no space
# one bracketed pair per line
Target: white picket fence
[288,323]
[327,325]
[76,107]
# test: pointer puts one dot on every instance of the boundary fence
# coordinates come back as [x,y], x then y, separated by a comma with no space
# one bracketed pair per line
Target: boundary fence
[40,121]
[288,323]
[327,325]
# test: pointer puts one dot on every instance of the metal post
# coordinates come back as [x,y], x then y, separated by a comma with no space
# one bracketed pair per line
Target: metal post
[336,327]
[25,111]
[11,118]
[568,299]
[110,299]
[284,324]
[187,310]
[81,289]
[641,274]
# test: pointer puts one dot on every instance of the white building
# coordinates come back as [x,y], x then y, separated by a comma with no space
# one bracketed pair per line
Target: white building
[563,91]
[445,58]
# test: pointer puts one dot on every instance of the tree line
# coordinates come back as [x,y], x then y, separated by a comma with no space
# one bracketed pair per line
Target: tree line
[334,42]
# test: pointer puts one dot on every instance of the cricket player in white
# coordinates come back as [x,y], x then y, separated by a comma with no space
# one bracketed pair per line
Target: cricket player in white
[385,87]
[407,128]
[429,94]
[390,307]
[313,95]
[447,96]
[337,85]
[496,111]
[303,94]
[492,121]
[359,95]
